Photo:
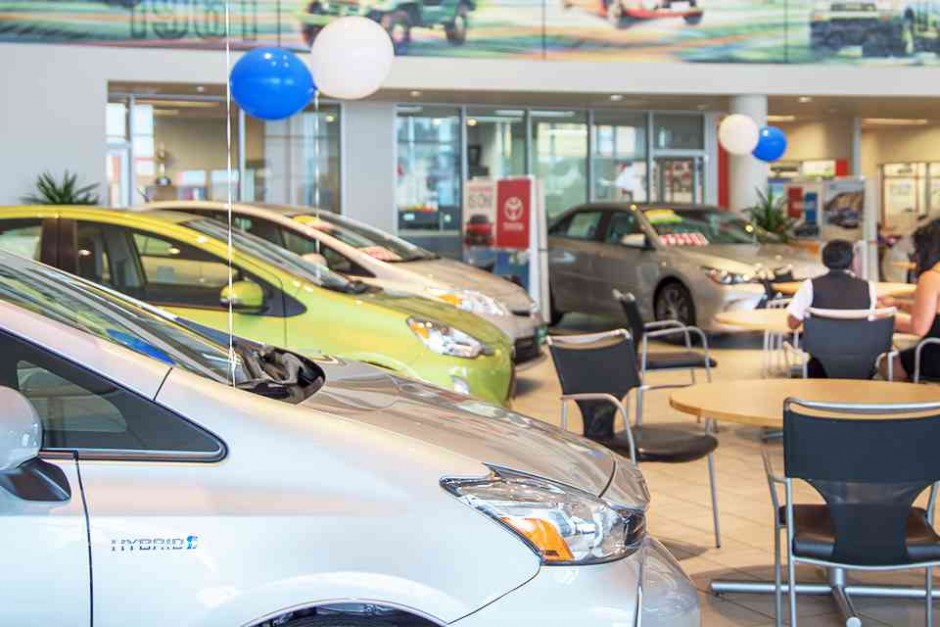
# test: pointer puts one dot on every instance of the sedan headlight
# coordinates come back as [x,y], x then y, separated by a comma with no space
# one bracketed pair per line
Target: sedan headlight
[474,302]
[563,525]
[445,340]
[723,277]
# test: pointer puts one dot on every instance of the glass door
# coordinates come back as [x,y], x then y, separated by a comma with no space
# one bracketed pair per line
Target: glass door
[678,179]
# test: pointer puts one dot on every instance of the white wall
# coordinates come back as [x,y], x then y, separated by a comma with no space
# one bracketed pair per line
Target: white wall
[830,138]
[368,163]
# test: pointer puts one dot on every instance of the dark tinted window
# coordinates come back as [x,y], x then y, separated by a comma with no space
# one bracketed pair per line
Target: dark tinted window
[621,223]
[83,411]
[583,225]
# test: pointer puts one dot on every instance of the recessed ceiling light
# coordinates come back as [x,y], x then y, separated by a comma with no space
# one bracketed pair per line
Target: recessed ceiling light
[415,93]
[616,97]
[331,118]
[201,88]
[781,118]
[471,122]
[894,121]
[804,99]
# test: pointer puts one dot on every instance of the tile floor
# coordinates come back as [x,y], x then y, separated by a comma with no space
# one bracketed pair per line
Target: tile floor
[680,514]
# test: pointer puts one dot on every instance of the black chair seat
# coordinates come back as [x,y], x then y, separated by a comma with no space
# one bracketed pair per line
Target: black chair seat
[677,360]
[662,444]
[814,537]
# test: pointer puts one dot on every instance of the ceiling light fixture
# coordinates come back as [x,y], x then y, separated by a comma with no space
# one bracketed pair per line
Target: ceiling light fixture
[471,122]
[415,93]
[616,97]
[804,99]
[781,118]
[894,121]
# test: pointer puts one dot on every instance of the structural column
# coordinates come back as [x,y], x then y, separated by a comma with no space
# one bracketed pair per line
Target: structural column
[747,175]
[856,163]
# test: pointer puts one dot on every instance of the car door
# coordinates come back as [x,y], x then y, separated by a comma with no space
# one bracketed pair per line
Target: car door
[625,260]
[44,562]
[177,276]
[573,251]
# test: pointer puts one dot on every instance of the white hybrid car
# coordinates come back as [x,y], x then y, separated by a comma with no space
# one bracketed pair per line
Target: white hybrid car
[138,487]
[363,252]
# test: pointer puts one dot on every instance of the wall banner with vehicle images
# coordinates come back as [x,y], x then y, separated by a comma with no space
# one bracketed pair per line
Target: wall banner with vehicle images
[690,31]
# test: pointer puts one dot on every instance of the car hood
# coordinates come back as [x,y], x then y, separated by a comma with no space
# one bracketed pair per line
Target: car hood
[420,307]
[744,258]
[473,429]
[465,276]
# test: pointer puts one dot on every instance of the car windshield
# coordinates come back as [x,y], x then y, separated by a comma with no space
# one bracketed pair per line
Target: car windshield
[89,308]
[700,227]
[316,273]
[367,239]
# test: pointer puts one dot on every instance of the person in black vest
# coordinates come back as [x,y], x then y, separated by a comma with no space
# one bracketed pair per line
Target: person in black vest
[837,289]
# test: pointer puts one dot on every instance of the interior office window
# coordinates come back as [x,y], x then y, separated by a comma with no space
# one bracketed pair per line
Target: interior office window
[619,160]
[678,131]
[561,154]
[117,163]
[21,237]
[295,161]
[428,189]
[496,142]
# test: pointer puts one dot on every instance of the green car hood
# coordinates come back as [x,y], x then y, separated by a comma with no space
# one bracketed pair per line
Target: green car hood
[428,309]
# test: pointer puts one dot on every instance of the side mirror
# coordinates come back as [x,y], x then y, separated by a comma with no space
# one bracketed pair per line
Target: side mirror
[20,431]
[635,240]
[244,296]
[316,258]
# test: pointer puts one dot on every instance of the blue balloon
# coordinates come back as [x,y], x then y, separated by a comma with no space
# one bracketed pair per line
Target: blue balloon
[771,144]
[271,83]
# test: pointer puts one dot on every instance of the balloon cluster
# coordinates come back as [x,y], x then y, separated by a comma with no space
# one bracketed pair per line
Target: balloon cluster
[740,135]
[350,58]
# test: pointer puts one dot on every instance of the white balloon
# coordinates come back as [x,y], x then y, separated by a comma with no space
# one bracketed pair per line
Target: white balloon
[737,133]
[351,58]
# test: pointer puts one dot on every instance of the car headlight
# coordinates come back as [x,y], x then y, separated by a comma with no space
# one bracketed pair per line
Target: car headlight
[563,525]
[445,340]
[723,277]
[474,302]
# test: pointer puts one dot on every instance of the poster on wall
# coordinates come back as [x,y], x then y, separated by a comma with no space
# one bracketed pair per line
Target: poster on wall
[690,31]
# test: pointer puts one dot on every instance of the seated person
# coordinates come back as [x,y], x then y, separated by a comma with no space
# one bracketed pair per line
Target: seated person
[837,289]
[924,319]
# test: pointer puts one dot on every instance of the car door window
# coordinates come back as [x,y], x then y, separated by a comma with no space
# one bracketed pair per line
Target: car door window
[21,237]
[83,411]
[584,225]
[621,224]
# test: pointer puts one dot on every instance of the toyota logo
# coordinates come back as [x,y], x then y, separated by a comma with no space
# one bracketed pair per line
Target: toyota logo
[513,209]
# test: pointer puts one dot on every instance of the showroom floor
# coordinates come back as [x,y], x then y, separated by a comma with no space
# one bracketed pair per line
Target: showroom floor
[680,514]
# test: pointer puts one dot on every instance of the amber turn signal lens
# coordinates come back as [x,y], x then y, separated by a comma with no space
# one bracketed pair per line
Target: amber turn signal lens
[544,536]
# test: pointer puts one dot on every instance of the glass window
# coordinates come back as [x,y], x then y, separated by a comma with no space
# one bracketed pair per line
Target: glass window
[621,223]
[175,264]
[82,411]
[584,225]
[496,143]
[698,227]
[620,156]
[368,239]
[673,131]
[428,192]
[561,139]
[21,237]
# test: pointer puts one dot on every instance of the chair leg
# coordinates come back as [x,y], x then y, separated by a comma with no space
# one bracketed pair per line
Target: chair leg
[714,490]
[791,582]
[778,589]
[564,415]
[929,590]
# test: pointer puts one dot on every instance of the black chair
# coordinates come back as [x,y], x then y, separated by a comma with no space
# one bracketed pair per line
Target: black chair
[868,521]
[598,372]
[642,332]
[849,344]
[918,357]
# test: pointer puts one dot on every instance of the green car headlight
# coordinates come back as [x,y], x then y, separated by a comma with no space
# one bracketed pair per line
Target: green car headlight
[445,340]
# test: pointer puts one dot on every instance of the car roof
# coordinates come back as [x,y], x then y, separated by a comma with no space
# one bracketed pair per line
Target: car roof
[217,205]
[644,206]
[75,211]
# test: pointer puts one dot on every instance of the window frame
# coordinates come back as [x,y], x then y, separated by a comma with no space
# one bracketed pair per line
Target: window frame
[121,454]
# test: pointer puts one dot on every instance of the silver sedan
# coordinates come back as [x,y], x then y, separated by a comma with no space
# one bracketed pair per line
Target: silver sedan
[682,262]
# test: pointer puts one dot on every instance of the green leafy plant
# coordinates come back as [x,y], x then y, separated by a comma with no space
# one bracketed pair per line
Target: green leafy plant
[769,213]
[49,191]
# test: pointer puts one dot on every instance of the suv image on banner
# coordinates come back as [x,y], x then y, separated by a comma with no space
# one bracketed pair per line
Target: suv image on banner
[883,28]
[398,17]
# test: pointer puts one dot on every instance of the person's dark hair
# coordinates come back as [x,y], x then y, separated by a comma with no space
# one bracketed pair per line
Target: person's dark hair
[927,246]
[838,254]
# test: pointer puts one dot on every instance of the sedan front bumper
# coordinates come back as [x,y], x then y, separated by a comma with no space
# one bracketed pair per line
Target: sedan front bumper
[711,300]
[601,595]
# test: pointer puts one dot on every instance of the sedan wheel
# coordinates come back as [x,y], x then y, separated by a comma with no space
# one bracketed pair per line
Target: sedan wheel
[674,302]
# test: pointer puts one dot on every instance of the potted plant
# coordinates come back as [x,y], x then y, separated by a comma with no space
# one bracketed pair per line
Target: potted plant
[769,214]
[49,191]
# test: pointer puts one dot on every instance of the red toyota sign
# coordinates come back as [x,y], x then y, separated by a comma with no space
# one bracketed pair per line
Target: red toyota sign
[513,204]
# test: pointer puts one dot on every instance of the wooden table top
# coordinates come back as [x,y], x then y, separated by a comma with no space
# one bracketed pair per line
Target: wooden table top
[884,289]
[759,402]
[772,320]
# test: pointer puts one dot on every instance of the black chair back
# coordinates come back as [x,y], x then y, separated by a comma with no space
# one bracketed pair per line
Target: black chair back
[868,469]
[631,309]
[847,348]
[606,365]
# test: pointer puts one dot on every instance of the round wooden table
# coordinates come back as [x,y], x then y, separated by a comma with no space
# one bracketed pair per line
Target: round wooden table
[883,289]
[759,402]
[769,320]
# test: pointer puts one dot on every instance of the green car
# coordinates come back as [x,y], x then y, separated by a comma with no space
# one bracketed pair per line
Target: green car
[180,262]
